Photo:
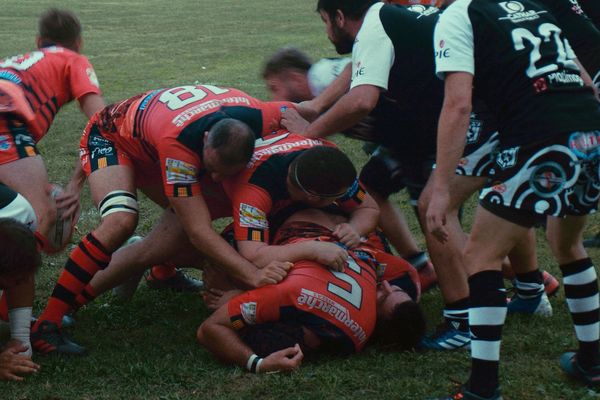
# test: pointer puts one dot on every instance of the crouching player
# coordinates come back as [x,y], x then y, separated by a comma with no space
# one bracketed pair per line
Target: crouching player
[19,259]
[314,308]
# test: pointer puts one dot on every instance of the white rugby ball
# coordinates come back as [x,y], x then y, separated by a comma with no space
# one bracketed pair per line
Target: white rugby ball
[60,234]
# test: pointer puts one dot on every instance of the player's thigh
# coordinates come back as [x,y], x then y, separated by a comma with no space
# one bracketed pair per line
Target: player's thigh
[28,176]
[156,193]
[487,247]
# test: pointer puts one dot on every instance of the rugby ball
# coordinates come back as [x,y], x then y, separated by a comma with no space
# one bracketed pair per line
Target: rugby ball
[60,234]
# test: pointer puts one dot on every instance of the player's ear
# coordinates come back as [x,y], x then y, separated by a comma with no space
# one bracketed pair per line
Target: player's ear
[78,45]
[205,139]
[340,18]
[38,42]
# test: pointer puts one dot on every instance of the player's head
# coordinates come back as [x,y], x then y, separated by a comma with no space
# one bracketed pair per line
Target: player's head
[400,320]
[336,14]
[285,74]
[267,338]
[228,147]
[61,28]
[19,258]
[320,175]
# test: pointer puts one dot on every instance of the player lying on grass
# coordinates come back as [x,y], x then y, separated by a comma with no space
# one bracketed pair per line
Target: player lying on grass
[315,308]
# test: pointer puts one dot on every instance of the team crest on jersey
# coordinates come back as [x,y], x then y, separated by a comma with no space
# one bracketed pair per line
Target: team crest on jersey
[4,143]
[516,12]
[585,144]
[422,10]
[178,172]
[507,158]
[249,312]
[252,217]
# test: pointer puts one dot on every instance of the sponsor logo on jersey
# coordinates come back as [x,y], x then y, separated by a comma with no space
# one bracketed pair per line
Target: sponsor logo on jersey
[24,140]
[144,103]
[422,10]
[98,141]
[576,7]
[585,144]
[249,312]
[318,301]
[548,179]
[282,148]
[189,113]
[5,143]
[180,172]
[360,70]
[92,77]
[442,52]
[252,217]
[98,152]
[516,12]
[9,76]
[507,158]
[499,188]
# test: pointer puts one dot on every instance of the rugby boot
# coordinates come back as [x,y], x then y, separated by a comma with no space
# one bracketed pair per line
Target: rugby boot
[539,305]
[179,282]
[447,337]
[48,339]
[570,365]
[551,284]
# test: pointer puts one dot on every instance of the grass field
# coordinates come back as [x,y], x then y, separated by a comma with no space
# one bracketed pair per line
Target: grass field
[146,349]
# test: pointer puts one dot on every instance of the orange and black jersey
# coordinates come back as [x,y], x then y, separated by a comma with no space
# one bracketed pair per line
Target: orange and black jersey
[259,194]
[338,307]
[166,127]
[49,77]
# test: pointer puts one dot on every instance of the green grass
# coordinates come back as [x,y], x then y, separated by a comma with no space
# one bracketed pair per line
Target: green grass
[147,349]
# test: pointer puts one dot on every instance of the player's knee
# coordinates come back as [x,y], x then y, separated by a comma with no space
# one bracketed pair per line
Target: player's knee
[121,208]
[47,215]
[201,334]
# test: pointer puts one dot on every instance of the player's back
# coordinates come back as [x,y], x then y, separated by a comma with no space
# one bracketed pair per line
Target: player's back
[49,77]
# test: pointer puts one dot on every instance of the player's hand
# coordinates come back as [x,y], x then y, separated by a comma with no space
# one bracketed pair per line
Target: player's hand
[283,360]
[330,254]
[347,235]
[69,202]
[215,298]
[14,365]
[436,215]
[294,121]
[308,110]
[273,273]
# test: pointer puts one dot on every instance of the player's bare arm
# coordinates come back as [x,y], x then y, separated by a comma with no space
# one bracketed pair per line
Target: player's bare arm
[452,128]
[195,218]
[217,335]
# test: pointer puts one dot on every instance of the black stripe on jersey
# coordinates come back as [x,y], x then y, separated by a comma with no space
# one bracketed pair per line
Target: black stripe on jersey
[192,136]
[271,175]
[250,116]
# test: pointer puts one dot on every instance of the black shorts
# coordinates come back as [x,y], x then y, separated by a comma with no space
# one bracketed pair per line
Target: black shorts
[556,177]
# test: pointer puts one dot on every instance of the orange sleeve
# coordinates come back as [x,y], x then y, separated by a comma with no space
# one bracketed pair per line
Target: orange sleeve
[251,208]
[272,114]
[82,77]
[180,169]
[255,307]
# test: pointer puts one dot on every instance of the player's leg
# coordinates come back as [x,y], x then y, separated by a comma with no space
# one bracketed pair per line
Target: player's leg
[565,236]
[28,177]
[530,297]
[113,191]
[484,252]
[448,261]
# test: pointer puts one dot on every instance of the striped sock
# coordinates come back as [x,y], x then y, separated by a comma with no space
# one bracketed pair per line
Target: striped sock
[581,292]
[486,318]
[530,285]
[85,260]
[87,294]
[456,314]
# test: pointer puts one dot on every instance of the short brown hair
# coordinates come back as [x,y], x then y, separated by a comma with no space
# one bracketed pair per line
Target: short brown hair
[284,59]
[59,27]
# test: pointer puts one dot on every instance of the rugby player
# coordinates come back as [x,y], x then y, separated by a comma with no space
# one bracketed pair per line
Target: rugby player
[288,171]
[315,309]
[548,132]
[290,75]
[19,259]
[33,88]
[161,142]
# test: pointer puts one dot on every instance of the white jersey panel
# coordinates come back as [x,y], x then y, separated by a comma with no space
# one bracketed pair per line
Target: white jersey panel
[453,40]
[373,52]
